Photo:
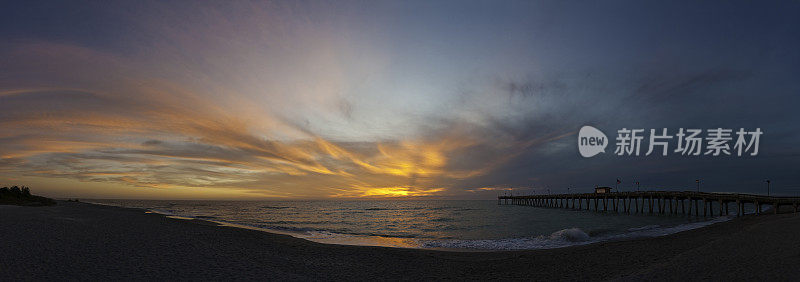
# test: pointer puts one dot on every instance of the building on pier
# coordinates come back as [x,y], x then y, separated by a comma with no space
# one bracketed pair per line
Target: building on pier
[602,190]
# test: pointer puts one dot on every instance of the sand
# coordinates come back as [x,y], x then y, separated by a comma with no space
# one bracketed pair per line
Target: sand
[93,242]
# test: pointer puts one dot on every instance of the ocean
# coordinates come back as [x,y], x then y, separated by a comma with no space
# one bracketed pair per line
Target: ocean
[427,224]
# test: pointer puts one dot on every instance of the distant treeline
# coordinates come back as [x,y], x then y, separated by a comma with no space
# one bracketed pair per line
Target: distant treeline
[16,195]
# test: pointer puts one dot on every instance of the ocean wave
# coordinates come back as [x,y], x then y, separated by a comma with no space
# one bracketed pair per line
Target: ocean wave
[570,235]
[646,227]
[564,238]
[561,238]
[275,208]
[311,222]
[656,231]
[162,211]
[421,227]
[441,208]
[287,228]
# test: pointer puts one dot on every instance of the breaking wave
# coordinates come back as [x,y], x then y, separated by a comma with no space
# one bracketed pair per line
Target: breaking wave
[561,238]
[565,238]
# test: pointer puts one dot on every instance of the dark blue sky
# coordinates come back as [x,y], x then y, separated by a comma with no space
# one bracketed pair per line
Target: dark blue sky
[454,99]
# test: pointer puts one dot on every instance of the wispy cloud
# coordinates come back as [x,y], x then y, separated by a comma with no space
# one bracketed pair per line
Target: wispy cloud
[321,100]
[150,133]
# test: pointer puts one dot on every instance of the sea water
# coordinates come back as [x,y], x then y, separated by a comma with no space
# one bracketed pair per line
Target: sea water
[439,224]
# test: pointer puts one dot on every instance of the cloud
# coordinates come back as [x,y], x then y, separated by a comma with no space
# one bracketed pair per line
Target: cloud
[151,143]
[307,101]
[145,132]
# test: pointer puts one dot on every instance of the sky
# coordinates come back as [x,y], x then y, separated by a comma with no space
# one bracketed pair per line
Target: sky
[397,99]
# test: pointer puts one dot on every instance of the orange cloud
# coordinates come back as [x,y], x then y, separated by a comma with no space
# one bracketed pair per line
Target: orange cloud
[114,123]
[387,192]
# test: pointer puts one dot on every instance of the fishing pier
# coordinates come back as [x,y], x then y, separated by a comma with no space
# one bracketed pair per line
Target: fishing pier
[655,202]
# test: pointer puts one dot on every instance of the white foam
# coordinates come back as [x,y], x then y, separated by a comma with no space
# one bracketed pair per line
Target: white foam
[662,231]
[558,239]
[571,235]
[646,227]
[359,240]
[565,238]
[179,217]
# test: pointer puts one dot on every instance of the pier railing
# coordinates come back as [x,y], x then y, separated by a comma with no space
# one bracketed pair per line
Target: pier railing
[654,202]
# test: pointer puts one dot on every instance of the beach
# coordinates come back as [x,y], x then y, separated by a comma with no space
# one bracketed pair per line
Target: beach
[93,242]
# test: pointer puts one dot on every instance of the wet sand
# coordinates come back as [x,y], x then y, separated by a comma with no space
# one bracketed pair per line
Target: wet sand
[93,242]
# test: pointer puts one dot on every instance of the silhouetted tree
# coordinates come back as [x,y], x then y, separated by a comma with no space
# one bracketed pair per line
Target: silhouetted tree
[17,195]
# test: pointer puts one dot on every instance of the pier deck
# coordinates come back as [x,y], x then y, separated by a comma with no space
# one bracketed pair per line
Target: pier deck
[655,202]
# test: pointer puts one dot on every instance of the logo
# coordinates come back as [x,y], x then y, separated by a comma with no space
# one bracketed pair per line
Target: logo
[591,141]
[689,142]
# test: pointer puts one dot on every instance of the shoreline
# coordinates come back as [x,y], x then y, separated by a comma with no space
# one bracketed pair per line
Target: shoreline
[457,245]
[89,241]
[288,233]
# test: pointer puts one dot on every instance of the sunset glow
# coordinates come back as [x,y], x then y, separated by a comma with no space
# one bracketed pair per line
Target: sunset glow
[332,100]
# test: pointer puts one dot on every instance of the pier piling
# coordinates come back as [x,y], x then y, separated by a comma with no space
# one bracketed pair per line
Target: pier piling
[628,201]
